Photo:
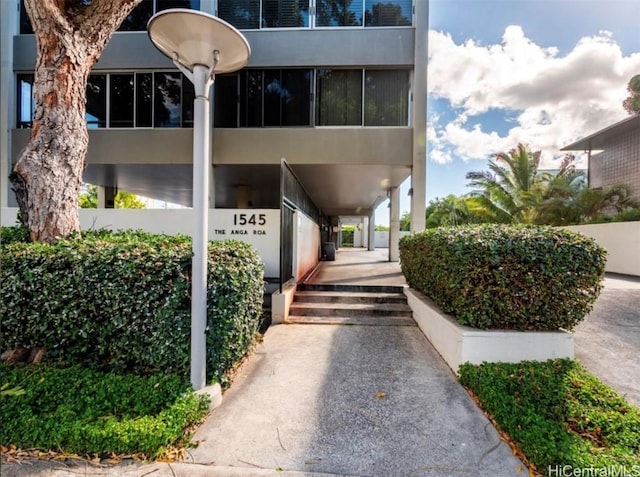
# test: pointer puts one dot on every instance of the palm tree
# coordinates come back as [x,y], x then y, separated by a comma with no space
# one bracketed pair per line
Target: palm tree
[513,188]
[569,200]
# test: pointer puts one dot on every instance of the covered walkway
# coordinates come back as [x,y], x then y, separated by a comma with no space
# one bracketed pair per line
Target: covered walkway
[358,266]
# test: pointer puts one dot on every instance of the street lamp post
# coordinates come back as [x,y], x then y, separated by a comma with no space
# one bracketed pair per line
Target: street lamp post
[200,45]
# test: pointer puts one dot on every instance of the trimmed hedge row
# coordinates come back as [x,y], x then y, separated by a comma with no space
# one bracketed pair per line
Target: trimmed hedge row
[121,301]
[504,276]
[558,414]
[78,410]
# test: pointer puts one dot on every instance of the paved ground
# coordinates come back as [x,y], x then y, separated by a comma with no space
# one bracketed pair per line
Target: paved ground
[309,401]
[358,266]
[607,342]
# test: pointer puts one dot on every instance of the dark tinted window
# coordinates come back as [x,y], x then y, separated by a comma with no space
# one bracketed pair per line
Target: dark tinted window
[96,112]
[339,97]
[296,97]
[251,98]
[167,94]
[139,17]
[243,14]
[386,98]
[166,4]
[144,104]
[388,13]
[25,22]
[121,100]
[188,95]
[285,13]
[225,106]
[275,98]
[336,13]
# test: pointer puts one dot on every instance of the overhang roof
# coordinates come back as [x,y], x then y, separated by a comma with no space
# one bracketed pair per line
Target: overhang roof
[598,140]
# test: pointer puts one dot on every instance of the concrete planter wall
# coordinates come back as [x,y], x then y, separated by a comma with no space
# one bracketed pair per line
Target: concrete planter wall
[458,344]
[622,242]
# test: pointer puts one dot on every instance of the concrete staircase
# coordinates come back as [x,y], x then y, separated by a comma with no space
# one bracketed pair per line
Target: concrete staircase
[350,305]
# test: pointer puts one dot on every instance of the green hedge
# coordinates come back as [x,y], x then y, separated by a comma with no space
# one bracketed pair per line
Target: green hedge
[16,233]
[506,277]
[121,301]
[77,410]
[558,414]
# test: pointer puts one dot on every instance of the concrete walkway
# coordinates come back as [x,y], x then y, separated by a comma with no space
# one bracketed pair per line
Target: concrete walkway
[607,342]
[351,400]
[358,266]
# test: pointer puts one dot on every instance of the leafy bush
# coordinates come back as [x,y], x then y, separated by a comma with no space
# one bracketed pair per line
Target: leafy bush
[89,412]
[14,234]
[121,301]
[630,215]
[557,413]
[348,232]
[506,277]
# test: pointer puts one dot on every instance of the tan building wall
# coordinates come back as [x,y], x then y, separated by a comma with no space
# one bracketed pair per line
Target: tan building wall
[618,163]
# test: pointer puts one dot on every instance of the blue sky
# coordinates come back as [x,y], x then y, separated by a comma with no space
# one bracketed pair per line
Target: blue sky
[542,72]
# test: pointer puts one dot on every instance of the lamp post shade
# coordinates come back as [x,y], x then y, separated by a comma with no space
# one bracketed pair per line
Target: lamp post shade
[194,36]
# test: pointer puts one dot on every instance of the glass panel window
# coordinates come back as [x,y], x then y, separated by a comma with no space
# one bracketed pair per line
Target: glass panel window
[274,91]
[339,13]
[167,94]
[386,98]
[96,112]
[144,104]
[295,99]
[138,18]
[388,13]
[188,95]
[285,13]
[25,21]
[166,4]
[26,104]
[121,100]
[339,97]
[251,98]
[225,107]
[243,14]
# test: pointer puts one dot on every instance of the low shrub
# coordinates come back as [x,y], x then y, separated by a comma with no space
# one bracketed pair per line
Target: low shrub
[506,277]
[76,410]
[629,215]
[557,414]
[121,301]
[14,234]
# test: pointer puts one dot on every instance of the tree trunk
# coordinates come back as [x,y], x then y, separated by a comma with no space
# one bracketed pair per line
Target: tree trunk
[47,177]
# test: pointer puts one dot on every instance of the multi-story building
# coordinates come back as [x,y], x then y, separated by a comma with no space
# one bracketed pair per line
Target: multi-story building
[327,119]
[613,155]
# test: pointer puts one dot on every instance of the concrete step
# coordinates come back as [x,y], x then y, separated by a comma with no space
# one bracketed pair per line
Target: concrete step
[350,288]
[348,297]
[361,320]
[350,309]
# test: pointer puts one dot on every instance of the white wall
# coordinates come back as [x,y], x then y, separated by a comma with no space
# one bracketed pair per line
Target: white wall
[622,242]
[307,243]
[259,227]
[382,238]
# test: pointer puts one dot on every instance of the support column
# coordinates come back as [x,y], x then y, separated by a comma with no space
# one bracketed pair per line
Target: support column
[372,231]
[8,28]
[419,118]
[107,197]
[394,225]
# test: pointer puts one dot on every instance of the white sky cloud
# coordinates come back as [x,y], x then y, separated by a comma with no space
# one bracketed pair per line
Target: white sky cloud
[552,100]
